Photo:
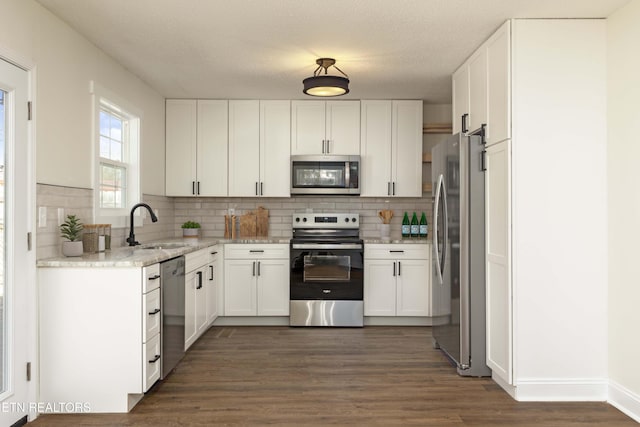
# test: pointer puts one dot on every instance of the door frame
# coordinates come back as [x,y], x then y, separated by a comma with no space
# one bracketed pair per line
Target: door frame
[29,66]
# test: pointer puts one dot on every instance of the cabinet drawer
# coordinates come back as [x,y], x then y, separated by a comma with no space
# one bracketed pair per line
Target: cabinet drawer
[398,251]
[152,314]
[244,251]
[214,253]
[151,361]
[151,278]
[197,259]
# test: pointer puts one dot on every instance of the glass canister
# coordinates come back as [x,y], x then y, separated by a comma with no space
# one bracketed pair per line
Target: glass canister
[90,238]
[107,236]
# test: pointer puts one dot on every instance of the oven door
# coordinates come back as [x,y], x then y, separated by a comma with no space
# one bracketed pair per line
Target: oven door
[326,271]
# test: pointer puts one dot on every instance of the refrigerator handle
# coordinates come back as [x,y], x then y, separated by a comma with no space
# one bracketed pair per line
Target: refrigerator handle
[445,228]
[436,220]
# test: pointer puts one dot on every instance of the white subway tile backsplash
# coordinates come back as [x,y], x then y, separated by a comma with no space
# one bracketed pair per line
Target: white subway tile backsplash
[210,212]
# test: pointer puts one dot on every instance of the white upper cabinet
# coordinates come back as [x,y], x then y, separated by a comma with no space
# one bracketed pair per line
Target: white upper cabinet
[244,148]
[259,141]
[460,93]
[391,148]
[196,147]
[325,127]
[499,85]
[481,90]
[477,90]
[275,143]
[406,146]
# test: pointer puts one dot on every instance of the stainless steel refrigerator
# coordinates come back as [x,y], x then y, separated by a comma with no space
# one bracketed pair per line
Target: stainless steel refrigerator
[458,282]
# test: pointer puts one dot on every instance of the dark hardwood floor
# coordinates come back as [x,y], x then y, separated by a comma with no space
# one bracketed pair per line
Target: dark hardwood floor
[326,376]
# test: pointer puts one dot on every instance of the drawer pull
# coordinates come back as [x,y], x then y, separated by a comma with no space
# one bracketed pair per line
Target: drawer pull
[155,359]
[253,251]
[156,277]
[399,252]
[199,273]
[154,312]
[214,253]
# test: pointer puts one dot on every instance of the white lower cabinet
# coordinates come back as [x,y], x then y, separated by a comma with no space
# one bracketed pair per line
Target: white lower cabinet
[397,280]
[200,293]
[256,280]
[213,284]
[99,335]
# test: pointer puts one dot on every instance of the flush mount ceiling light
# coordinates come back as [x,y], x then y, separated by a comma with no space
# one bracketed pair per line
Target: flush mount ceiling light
[324,84]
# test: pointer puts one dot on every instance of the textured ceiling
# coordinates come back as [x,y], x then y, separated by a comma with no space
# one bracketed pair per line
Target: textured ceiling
[262,49]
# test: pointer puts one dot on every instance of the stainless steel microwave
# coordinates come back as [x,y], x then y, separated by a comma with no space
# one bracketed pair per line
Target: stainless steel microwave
[325,175]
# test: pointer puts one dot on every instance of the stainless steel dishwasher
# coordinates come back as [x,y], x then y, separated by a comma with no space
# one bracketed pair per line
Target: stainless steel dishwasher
[172,332]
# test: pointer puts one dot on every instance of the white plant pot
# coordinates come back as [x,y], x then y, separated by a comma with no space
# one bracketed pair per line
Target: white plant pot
[191,233]
[72,248]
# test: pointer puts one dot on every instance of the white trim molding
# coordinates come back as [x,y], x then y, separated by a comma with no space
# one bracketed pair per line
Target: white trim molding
[625,400]
[562,390]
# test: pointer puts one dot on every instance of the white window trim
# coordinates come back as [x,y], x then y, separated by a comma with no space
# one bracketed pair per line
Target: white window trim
[118,218]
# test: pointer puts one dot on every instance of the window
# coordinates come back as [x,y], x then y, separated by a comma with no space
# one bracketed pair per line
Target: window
[113,160]
[116,169]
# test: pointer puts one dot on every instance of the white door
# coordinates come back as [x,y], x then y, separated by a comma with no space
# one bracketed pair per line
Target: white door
[380,287]
[308,127]
[460,89]
[240,287]
[498,247]
[413,288]
[406,155]
[211,152]
[17,265]
[275,145]
[375,149]
[273,287]
[343,128]
[244,148]
[180,139]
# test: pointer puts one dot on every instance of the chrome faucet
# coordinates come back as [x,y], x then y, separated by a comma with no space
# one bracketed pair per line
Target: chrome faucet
[132,237]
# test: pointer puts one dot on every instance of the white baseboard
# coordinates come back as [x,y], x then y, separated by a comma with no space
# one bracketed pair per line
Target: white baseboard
[625,400]
[252,321]
[562,390]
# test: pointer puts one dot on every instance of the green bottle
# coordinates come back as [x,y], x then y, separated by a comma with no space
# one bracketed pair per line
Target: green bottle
[424,229]
[415,226]
[406,226]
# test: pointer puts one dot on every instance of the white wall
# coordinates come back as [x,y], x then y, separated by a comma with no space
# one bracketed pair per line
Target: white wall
[65,64]
[623,28]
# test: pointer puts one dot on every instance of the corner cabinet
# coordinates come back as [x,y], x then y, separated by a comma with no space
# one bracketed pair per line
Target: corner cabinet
[196,147]
[391,148]
[105,351]
[397,280]
[259,138]
[325,127]
[256,280]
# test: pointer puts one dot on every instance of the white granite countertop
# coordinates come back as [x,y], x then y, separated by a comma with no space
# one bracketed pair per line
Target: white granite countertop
[146,254]
[398,241]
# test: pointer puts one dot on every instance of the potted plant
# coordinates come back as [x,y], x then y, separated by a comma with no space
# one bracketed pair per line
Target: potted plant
[191,229]
[71,230]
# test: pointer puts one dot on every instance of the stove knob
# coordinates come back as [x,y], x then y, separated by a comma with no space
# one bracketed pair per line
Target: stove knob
[297,219]
[353,220]
[304,219]
[346,220]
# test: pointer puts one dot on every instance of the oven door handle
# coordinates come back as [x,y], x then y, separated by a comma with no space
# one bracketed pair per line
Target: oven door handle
[326,246]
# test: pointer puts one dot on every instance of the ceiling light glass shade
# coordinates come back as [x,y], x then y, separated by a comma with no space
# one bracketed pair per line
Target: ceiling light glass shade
[326,86]
[323,84]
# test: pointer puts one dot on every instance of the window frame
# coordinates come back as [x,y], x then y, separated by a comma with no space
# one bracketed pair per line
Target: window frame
[117,217]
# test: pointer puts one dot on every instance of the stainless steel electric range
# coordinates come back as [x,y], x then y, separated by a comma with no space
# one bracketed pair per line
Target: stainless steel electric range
[327,268]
